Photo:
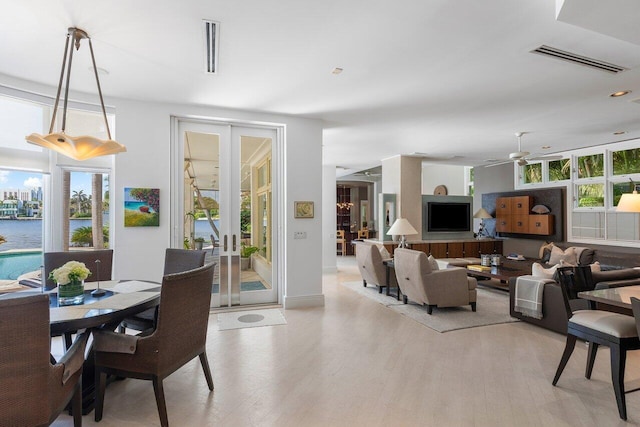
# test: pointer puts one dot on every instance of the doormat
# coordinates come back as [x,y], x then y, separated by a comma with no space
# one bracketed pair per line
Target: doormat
[250,319]
[244,286]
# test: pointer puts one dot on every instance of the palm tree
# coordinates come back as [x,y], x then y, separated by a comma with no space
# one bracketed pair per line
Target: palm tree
[2,239]
[79,198]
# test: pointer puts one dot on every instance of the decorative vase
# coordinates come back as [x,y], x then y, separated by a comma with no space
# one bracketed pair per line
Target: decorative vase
[71,293]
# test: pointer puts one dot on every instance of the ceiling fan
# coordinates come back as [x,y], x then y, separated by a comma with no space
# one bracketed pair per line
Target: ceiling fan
[522,158]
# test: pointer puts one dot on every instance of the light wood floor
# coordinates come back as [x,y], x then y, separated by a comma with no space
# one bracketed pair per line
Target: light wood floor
[356,363]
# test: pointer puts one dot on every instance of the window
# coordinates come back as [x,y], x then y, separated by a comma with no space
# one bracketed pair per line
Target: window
[532,173]
[88,209]
[591,166]
[469,177]
[626,162]
[590,195]
[559,170]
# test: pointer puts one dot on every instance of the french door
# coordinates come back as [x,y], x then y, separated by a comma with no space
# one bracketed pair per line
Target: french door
[227,196]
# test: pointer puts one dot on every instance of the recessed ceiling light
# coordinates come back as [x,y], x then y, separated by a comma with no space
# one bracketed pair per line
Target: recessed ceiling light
[546,147]
[336,71]
[620,132]
[620,93]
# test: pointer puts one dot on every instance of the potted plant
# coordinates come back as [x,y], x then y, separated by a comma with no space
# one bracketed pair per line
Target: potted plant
[245,255]
[198,241]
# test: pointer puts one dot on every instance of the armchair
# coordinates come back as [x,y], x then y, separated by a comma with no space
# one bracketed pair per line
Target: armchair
[370,265]
[436,288]
[34,391]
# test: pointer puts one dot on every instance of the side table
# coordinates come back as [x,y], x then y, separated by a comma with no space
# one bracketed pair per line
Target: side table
[388,263]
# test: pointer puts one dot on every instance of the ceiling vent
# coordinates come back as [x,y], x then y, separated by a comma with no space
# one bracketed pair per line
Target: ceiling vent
[211,37]
[578,59]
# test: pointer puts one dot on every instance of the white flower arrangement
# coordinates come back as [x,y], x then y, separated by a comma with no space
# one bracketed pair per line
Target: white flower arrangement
[71,271]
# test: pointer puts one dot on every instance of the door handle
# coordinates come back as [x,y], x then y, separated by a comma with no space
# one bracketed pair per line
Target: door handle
[225,243]
[234,243]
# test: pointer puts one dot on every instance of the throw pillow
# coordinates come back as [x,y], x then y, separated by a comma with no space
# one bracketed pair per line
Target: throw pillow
[433,263]
[537,270]
[384,253]
[567,257]
[545,251]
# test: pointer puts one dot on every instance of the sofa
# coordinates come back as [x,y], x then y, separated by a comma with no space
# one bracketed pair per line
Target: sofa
[553,310]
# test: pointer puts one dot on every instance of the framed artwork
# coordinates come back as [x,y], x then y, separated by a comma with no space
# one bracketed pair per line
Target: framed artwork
[303,209]
[141,207]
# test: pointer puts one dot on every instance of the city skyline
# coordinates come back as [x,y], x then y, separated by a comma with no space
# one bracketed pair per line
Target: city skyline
[21,180]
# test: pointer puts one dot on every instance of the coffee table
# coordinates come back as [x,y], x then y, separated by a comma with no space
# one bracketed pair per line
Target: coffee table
[502,273]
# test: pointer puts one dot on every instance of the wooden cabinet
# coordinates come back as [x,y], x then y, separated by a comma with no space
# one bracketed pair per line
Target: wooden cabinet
[453,248]
[541,224]
[513,216]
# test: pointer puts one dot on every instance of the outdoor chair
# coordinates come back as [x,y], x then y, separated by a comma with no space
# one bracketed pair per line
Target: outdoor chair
[180,336]
[34,391]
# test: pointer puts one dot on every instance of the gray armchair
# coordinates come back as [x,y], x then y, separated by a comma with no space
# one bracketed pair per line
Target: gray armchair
[449,287]
[370,265]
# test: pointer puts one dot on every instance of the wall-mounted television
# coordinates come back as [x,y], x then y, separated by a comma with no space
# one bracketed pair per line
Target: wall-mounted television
[448,216]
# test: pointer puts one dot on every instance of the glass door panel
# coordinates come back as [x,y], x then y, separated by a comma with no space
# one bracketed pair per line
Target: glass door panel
[227,208]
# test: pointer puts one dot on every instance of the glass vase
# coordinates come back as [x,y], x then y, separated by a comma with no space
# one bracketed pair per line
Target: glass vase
[71,293]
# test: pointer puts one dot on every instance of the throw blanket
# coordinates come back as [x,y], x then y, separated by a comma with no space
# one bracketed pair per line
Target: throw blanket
[528,298]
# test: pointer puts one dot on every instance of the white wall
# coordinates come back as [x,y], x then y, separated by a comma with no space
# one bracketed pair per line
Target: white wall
[144,128]
[451,177]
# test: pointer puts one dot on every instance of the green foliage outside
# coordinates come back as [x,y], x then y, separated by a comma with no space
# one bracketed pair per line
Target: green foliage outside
[533,173]
[83,236]
[245,212]
[590,195]
[246,250]
[626,161]
[559,170]
[591,166]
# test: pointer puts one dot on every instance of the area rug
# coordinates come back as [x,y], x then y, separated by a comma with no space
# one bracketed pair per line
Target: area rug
[244,286]
[492,309]
[250,319]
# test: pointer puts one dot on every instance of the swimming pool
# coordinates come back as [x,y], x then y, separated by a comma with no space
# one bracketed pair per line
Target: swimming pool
[14,264]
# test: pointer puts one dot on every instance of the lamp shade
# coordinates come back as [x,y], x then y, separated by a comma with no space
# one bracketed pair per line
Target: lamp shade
[482,214]
[629,202]
[401,227]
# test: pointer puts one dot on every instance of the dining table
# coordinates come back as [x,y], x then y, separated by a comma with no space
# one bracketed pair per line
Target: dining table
[119,299]
[613,299]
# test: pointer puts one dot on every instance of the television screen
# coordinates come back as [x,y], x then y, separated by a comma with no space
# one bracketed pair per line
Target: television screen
[448,216]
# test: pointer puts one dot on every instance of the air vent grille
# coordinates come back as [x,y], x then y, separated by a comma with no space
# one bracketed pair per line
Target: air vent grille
[211,33]
[578,59]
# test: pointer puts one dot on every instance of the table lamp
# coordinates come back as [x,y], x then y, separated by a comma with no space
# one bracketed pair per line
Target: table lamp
[629,202]
[401,227]
[482,214]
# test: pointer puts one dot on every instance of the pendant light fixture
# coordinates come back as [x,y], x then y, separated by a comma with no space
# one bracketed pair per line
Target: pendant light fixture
[77,147]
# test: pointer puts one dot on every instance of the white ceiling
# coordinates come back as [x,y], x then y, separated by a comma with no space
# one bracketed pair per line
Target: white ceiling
[446,78]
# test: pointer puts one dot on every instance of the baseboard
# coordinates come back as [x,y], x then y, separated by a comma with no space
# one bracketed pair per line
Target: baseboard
[303,301]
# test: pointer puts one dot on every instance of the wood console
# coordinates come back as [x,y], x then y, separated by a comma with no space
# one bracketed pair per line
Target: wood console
[451,248]
[512,216]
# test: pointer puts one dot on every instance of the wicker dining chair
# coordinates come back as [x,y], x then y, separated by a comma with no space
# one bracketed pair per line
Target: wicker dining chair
[180,336]
[175,261]
[101,270]
[33,391]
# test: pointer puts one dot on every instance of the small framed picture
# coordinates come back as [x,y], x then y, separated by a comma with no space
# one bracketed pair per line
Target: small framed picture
[303,209]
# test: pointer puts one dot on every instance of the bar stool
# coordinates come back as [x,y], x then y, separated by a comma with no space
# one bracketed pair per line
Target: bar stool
[342,242]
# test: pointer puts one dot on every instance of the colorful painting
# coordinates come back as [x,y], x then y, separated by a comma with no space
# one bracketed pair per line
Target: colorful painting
[141,207]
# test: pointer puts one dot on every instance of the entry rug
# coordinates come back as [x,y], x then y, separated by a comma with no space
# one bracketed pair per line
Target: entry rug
[250,319]
[492,309]
[244,287]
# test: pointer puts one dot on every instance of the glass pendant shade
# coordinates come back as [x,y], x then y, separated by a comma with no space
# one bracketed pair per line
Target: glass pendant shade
[77,147]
